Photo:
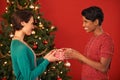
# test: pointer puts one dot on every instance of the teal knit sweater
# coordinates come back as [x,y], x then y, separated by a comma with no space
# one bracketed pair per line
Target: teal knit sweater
[24,62]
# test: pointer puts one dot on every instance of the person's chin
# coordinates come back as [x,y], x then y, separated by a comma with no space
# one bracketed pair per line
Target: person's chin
[87,31]
[28,34]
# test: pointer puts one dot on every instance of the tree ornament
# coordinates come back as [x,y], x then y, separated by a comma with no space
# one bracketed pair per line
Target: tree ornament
[6,8]
[36,7]
[12,2]
[36,36]
[58,78]
[11,25]
[35,46]
[1,55]
[61,72]
[46,29]
[45,42]
[45,72]
[41,25]
[52,27]
[39,38]
[6,11]
[11,35]
[8,1]
[33,32]
[4,63]
[53,67]
[38,17]
[1,45]
[4,78]
[40,79]
[67,64]
[31,6]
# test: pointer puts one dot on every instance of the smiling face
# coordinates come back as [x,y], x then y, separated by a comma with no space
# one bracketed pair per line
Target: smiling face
[28,27]
[88,25]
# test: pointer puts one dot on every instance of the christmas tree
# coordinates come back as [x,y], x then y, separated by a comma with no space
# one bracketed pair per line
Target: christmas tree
[41,41]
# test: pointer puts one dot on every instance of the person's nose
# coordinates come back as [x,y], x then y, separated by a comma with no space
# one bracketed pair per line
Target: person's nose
[33,26]
[83,24]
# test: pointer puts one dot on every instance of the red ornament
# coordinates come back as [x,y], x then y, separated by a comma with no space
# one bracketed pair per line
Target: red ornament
[45,42]
[4,78]
[35,46]
[59,78]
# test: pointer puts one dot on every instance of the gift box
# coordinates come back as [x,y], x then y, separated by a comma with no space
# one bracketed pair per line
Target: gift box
[59,53]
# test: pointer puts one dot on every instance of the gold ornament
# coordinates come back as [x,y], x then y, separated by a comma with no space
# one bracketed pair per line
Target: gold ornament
[11,25]
[6,11]
[9,52]
[11,35]
[12,2]
[46,29]
[36,36]
[1,45]
[41,25]
[4,63]
[52,27]
[8,1]
[67,64]
[60,62]
[38,17]
[31,6]
[36,7]
[33,32]
[61,72]
[45,72]
[40,38]
[6,8]
[53,67]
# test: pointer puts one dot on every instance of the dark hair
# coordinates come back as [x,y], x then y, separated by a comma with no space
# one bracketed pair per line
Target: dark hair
[19,16]
[92,13]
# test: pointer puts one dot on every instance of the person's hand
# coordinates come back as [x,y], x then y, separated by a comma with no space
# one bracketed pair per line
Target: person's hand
[59,54]
[50,56]
[71,53]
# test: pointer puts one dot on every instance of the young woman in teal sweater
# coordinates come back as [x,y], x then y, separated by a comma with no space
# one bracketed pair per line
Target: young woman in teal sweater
[24,62]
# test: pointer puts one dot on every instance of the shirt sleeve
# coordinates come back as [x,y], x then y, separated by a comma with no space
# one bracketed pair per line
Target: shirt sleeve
[107,48]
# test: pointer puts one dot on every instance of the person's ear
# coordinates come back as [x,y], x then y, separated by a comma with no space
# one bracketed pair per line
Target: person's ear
[23,23]
[96,22]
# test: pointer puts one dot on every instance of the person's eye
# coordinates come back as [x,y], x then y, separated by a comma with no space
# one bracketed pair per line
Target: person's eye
[34,23]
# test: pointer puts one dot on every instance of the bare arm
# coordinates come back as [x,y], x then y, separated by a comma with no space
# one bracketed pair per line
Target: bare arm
[102,65]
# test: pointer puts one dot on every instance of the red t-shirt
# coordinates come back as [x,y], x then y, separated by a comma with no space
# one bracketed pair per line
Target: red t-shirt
[97,47]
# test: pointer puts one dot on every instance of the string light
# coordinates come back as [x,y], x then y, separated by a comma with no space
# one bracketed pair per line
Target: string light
[31,6]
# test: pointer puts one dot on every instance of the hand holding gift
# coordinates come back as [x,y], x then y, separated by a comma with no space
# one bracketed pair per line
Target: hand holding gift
[59,54]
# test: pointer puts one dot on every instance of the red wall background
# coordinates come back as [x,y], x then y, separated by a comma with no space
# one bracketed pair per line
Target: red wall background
[65,14]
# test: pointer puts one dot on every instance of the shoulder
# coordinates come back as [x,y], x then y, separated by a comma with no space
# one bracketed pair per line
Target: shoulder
[17,44]
[106,37]
[107,40]
[17,47]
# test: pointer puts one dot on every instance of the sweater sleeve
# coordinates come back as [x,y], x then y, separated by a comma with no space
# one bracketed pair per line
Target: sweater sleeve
[24,64]
[40,60]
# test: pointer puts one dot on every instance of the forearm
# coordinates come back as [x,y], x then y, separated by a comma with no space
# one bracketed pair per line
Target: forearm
[40,60]
[100,66]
